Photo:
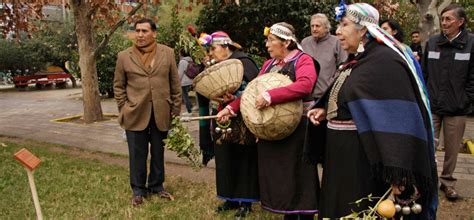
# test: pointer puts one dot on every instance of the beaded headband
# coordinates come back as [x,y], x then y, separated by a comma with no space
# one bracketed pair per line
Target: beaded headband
[357,17]
[282,32]
[360,13]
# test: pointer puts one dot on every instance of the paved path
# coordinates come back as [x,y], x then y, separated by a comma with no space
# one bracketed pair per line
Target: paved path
[29,114]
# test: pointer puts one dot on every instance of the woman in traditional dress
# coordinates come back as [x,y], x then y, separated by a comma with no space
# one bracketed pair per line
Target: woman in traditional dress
[379,132]
[288,184]
[236,162]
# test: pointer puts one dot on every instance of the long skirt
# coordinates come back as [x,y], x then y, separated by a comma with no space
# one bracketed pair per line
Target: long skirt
[288,185]
[346,175]
[237,172]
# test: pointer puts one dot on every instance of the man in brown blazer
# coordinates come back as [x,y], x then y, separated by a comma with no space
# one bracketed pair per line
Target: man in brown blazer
[148,93]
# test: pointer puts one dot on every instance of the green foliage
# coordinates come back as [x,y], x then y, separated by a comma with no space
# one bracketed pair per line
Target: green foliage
[173,16]
[469,7]
[245,23]
[11,57]
[52,45]
[370,212]
[407,16]
[60,41]
[182,143]
[189,44]
[106,62]
[169,34]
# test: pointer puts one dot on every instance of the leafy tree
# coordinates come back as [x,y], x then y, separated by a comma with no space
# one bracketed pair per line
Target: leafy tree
[56,44]
[11,57]
[245,23]
[169,34]
[106,63]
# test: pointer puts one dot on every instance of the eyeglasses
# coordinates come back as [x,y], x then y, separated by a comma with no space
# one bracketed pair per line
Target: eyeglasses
[270,40]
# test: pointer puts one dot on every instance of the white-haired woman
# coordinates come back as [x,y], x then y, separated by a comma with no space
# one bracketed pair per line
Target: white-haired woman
[379,133]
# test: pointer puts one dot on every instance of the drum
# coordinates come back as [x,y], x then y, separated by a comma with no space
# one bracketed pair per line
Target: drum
[215,81]
[276,121]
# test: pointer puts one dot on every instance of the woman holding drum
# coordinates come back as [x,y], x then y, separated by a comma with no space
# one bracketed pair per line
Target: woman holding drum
[236,162]
[288,184]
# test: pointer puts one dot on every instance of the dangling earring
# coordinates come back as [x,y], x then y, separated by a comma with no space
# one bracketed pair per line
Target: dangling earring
[361,48]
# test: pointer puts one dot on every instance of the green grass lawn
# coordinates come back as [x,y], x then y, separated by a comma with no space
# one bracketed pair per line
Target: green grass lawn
[71,187]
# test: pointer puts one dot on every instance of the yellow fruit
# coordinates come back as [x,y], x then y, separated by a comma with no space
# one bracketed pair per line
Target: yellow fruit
[386,209]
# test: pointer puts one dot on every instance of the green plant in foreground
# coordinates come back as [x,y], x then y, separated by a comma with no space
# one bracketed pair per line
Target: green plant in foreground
[180,141]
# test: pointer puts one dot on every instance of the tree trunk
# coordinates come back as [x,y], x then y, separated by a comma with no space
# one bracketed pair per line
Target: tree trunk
[87,60]
[429,18]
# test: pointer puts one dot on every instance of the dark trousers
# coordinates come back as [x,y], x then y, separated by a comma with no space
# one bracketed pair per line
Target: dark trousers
[186,100]
[139,144]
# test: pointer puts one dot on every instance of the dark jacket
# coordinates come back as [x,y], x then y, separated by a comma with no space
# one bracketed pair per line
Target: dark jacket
[417,48]
[448,69]
[250,67]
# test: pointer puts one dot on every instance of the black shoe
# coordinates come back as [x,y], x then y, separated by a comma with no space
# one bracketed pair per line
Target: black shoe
[243,211]
[227,205]
[449,192]
[206,158]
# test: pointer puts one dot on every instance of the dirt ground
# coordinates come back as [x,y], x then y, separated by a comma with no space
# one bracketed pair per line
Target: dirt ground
[461,209]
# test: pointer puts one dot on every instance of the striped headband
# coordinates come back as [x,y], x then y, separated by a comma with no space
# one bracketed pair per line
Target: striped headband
[284,33]
[219,38]
[360,13]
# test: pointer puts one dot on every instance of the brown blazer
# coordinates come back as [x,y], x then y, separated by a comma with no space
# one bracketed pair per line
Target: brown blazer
[138,90]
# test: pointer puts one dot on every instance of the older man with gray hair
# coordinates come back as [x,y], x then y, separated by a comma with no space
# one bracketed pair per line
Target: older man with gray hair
[326,49]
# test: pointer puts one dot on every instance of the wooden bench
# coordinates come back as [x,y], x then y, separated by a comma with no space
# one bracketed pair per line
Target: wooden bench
[40,80]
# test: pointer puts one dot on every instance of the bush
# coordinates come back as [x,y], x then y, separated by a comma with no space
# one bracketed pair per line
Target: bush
[52,45]
[106,63]
[245,23]
[11,56]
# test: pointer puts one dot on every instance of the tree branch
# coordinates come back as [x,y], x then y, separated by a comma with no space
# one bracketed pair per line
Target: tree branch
[93,10]
[106,39]
[443,5]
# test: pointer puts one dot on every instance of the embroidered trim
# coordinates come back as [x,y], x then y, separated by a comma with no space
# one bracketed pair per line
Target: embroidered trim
[332,104]
[290,211]
[282,31]
[342,125]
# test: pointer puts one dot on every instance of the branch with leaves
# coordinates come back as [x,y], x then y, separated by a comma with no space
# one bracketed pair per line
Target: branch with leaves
[375,212]
[180,141]
[106,39]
